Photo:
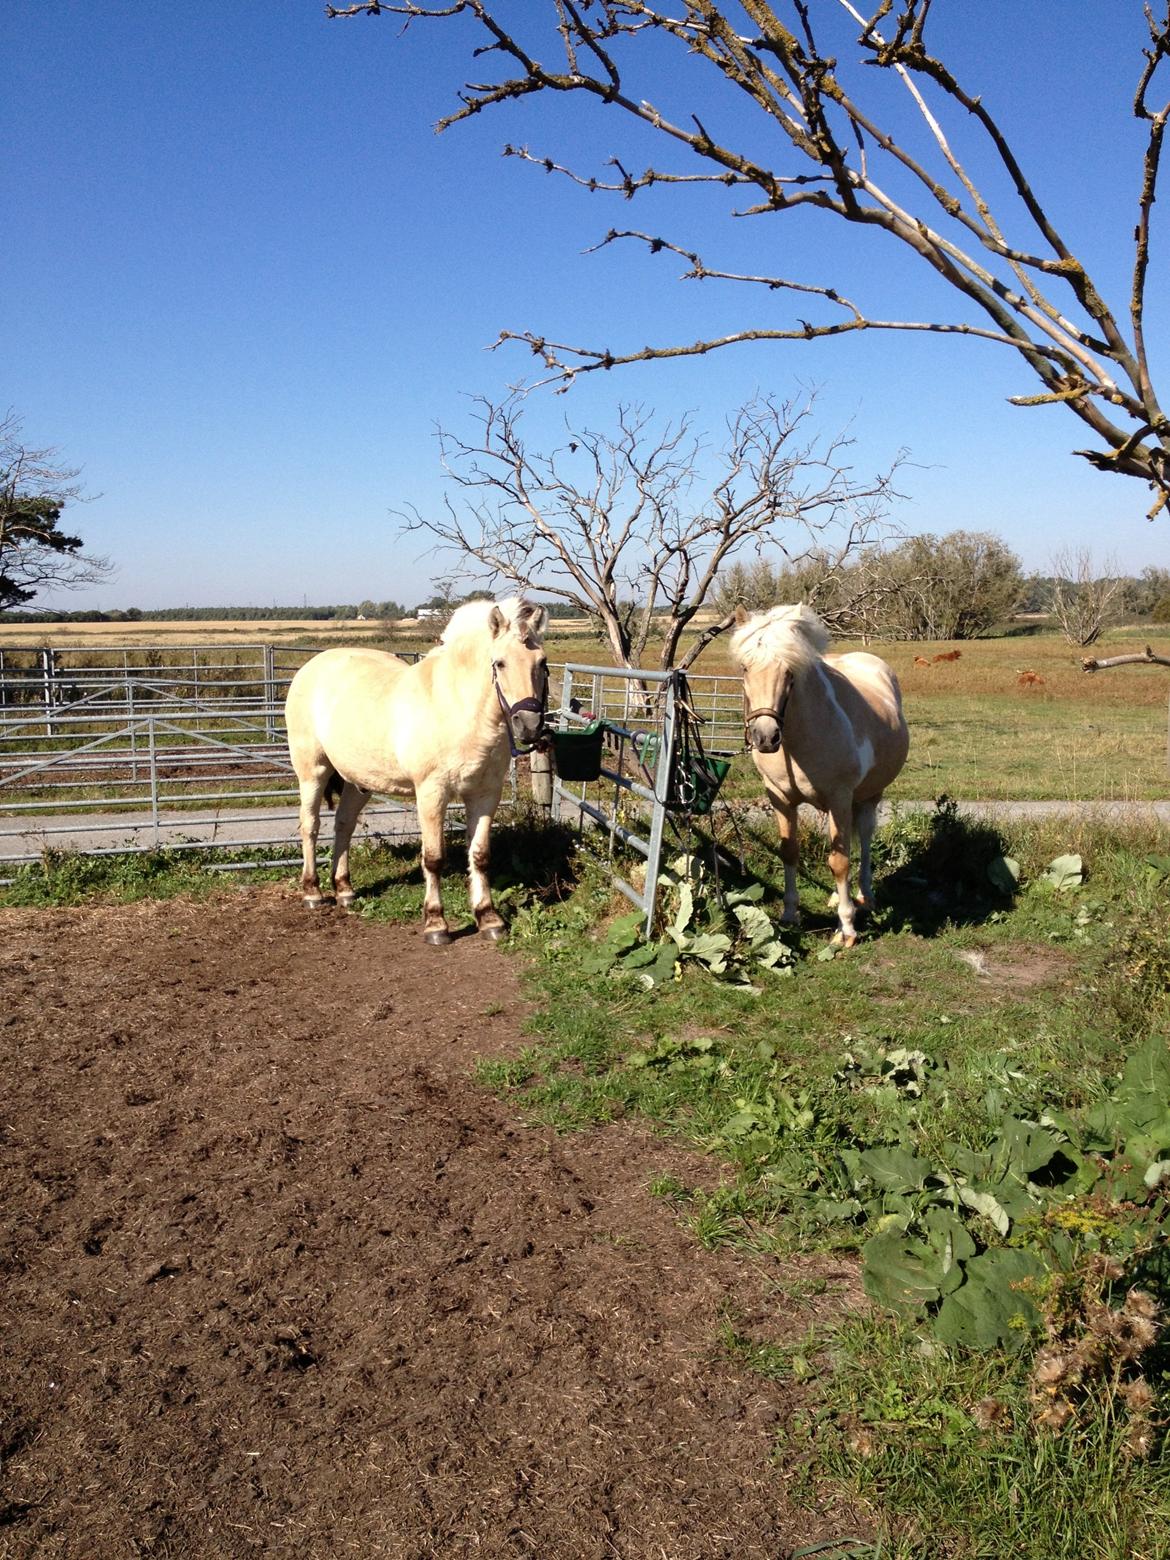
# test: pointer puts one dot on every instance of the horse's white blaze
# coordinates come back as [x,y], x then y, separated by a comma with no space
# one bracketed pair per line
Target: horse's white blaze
[845,739]
[435,729]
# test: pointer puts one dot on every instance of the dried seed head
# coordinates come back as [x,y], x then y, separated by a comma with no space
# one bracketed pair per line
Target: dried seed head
[1139,1303]
[1050,1369]
[1138,1395]
[1056,1415]
[990,1414]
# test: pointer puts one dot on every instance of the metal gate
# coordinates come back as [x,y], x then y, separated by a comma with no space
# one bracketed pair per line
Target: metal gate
[643,715]
[120,748]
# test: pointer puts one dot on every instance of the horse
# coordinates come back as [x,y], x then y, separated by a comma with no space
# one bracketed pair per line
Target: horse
[823,729]
[441,729]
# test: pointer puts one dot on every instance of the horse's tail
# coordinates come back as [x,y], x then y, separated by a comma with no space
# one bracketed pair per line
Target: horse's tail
[333,789]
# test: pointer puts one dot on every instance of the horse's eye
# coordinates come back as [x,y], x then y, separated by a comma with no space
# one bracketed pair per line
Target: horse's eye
[499,665]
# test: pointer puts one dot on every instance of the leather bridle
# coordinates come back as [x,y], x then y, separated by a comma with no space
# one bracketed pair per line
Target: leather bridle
[530,704]
[775,712]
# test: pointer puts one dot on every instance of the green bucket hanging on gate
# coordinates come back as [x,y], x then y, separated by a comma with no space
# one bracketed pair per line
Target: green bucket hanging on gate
[578,752]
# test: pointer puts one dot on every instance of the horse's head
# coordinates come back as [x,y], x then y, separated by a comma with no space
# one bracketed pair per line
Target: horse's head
[520,668]
[772,649]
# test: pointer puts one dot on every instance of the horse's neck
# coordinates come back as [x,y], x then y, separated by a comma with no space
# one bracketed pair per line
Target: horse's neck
[462,681]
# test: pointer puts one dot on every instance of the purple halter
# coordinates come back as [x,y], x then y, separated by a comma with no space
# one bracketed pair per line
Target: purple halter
[536,706]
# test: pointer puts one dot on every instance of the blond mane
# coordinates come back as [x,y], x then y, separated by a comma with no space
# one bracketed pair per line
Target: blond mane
[792,635]
[524,618]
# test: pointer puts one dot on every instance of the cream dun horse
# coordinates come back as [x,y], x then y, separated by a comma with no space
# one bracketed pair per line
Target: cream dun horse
[442,730]
[823,729]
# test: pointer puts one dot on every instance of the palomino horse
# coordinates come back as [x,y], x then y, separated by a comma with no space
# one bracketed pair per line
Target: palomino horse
[827,730]
[361,721]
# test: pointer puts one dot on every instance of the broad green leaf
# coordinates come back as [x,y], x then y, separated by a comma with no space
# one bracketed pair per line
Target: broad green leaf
[993,1305]
[755,924]
[950,1240]
[1150,1144]
[686,911]
[749,895]
[1004,874]
[988,1205]
[1024,1148]
[637,957]
[831,1212]
[774,953]
[711,947]
[893,1169]
[1064,872]
[1147,1077]
[664,967]
[899,1272]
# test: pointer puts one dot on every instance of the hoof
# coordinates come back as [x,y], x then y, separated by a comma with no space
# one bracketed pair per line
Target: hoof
[345,899]
[494,933]
[315,901]
[438,938]
[844,940]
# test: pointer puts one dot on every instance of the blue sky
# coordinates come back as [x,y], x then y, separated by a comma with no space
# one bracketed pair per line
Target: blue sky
[244,281]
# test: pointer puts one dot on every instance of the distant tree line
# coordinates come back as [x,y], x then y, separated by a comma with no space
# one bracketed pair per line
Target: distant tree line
[384,610]
[964,585]
[368,609]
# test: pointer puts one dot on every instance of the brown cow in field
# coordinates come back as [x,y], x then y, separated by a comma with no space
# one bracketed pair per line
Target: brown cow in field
[948,655]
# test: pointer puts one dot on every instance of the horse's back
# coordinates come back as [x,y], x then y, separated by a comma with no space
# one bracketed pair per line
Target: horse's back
[338,705]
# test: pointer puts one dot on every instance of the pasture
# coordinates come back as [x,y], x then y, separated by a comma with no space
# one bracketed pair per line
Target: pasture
[321,1241]
[1010,718]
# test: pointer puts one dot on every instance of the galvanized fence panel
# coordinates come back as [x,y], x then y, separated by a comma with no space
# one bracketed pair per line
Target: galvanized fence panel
[640,711]
[136,747]
[133,748]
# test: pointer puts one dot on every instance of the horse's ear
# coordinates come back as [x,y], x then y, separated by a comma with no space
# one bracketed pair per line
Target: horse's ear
[497,622]
[741,614]
[538,621]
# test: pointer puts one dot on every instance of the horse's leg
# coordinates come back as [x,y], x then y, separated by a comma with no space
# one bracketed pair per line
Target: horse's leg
[480,812]
[432,813]
[353,799]
[840,839]
[864,820]
[312,790]
[787,824]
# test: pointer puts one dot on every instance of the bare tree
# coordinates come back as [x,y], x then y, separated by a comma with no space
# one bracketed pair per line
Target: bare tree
[620,525]
[1084,602]
[1023,281]
[850,589]
[34,551]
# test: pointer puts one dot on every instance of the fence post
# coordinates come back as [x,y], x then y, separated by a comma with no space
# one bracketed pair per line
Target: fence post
[269,693]
[662,777]
[153,779]
[47,670]
[540,769]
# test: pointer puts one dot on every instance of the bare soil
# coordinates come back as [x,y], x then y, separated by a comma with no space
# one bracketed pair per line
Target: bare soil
[278,1277]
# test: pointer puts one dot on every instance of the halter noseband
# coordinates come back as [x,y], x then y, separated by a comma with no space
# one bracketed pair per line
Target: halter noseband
[536,706]
[775,713]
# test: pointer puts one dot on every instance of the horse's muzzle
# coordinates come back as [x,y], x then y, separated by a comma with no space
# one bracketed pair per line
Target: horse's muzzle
[527,727]
[765,734]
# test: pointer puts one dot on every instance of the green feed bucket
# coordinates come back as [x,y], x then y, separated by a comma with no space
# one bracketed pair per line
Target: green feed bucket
[578,753]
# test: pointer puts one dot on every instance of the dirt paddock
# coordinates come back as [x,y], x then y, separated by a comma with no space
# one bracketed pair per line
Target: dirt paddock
[277,1277]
